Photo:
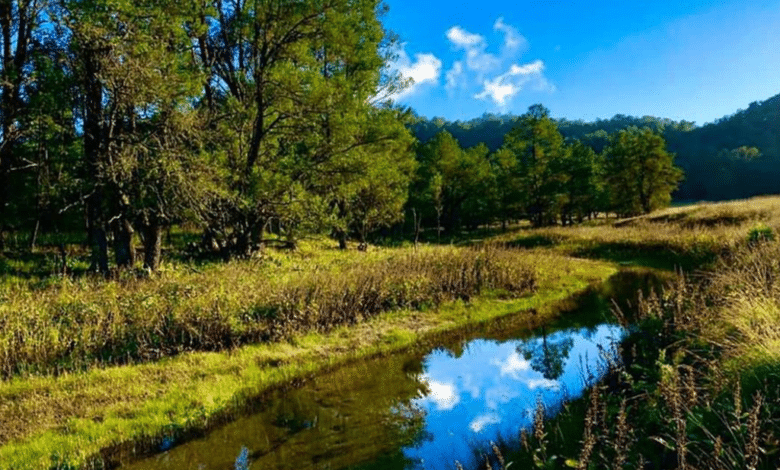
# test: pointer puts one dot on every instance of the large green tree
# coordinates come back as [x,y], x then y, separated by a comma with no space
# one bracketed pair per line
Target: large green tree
[131,59]
[289,90]
[539,150]
[640,173]
[452,182]
[583,188]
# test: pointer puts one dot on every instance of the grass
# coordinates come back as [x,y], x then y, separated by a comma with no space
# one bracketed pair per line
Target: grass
[77,324]
[93,368]
[73,419]
[689,237]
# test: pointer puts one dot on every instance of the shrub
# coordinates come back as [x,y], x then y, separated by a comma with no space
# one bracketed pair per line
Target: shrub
[760,233]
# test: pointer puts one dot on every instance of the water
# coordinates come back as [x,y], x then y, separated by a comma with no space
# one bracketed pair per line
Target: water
[422,409]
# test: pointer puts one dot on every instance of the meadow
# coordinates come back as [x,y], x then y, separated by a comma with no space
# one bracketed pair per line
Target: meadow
[96,368]
[93,367]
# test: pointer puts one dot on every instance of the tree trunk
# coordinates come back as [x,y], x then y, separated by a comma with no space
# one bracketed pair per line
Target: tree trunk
[99,246]
[417,221]
[124,250]
[438,224]
[93,151]
[5,163]
[34,237]
[341,235]
[152,245]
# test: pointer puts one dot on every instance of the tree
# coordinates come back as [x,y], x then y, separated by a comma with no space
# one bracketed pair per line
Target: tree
[640,172]
[19,31]
[549,356]
[290,87]
[538,149]
[583,188]
[452,181]
[368,186]
[507,193]
[136,78]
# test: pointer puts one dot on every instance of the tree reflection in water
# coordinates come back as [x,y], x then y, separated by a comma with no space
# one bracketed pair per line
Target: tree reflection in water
[549,355]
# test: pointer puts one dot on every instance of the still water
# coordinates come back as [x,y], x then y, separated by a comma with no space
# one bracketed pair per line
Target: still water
[422,409]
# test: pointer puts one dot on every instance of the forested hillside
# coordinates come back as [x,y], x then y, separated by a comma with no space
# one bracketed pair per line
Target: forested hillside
[736,156]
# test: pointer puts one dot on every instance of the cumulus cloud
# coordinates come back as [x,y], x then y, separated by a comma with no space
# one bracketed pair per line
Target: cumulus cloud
[481,422]
[462,38]
[512,365]
[504,87]
[496,77]
[533,384]
[513,40]
[444,395]
[425,68]
[474,45]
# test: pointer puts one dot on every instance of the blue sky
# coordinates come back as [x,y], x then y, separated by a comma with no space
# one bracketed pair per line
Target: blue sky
[692,60]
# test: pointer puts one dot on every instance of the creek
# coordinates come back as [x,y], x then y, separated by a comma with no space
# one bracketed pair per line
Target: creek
[446,400]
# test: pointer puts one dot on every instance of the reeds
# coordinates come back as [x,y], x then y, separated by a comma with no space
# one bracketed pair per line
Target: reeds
[697,387]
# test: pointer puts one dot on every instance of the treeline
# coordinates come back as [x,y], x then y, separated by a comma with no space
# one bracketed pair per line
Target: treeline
[737,156]
[120,118]
[538,175]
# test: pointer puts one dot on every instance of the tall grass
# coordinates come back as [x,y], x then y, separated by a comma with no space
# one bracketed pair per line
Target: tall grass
[76,324]
[698,387]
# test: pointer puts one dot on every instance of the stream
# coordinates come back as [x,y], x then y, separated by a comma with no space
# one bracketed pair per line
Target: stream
[427,408]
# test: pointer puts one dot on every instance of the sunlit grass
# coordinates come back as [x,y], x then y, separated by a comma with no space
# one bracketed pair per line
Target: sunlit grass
[76,414]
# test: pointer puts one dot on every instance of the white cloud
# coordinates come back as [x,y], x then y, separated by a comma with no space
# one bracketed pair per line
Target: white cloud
[443,394]
[504,87]
[462,38]
[498,91]
[474,45]
[513,40]
[512,365]
[536,66]
[479,72]
[455,75]
[533,384]
[426,68]
[480,422]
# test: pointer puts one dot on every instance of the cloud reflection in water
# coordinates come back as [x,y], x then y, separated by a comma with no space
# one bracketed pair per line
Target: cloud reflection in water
[492,388]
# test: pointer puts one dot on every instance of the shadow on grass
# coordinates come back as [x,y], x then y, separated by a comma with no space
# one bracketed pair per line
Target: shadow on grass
[533,241]
[39,264]
[652,256]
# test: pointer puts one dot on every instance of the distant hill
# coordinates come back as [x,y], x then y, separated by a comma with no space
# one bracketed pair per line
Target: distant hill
[717,158]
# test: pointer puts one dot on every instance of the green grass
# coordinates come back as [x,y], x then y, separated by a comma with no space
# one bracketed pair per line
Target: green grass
[75,324]
[66,410]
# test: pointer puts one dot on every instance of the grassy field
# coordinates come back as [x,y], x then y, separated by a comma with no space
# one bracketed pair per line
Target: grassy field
[688,237]
[91,367]
[96,365]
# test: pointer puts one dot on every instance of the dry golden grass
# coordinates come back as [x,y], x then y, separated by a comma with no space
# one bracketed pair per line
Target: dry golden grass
[702,387]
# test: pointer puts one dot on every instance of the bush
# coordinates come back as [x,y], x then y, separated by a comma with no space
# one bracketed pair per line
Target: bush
[760,233]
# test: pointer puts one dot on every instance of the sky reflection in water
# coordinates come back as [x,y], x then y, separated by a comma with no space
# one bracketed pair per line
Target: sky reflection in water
[404,410]
[492,389]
